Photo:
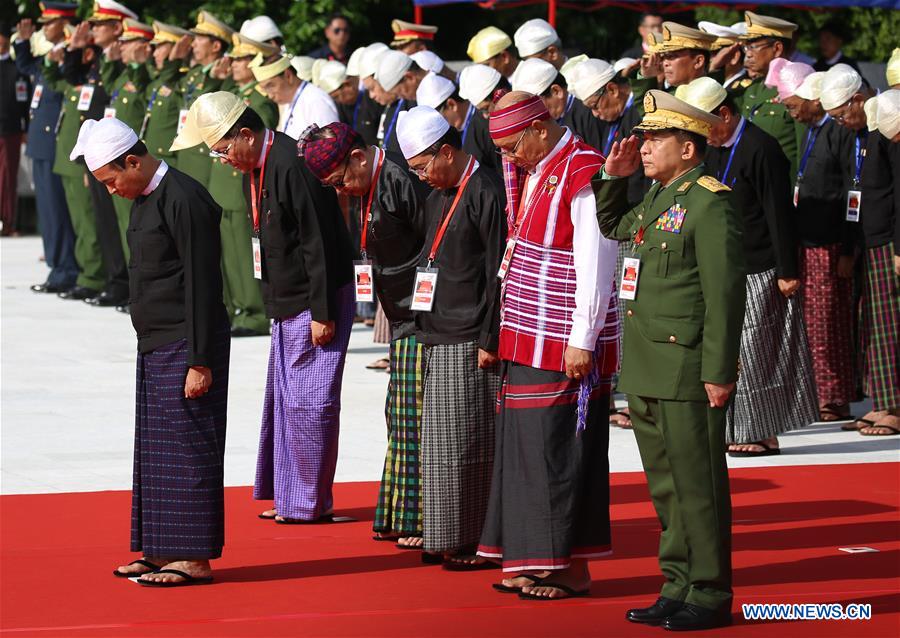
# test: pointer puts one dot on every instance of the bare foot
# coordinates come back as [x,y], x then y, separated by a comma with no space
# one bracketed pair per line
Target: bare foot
[887,425]
[464,559]
[136,569]
[272,513]
[195,568]
[523,580]
[576,577]
[411,541]
[754,447]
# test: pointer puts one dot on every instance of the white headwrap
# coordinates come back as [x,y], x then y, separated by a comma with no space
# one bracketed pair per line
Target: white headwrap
[102,141]
[428,61]
[589,77]
[477,82]
[433,90]
[533,76]
[419,128]
[841,82]
[883,113]
[534,36]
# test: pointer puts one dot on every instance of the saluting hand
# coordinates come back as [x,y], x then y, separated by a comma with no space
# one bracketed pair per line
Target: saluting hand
[25,29]
[81,37]
[197,382]
[322,332]
[221,68]
[182,48]
[718,393]
[578,362]
[651,66]
[623,159]
[722,56]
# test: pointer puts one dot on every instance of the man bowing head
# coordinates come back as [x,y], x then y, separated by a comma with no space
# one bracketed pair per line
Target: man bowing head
[175,282]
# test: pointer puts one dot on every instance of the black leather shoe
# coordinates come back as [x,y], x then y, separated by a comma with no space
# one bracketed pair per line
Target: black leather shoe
[242,331]
[47,287]
[105,299]
[78,293]
[124,309]
[691,618]
[656,613]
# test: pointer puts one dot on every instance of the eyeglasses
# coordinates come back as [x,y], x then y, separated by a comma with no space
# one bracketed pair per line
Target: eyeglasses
[756,47]
[341,30]
[340,183]
[510,153]
[840,114]
[594,100]
[223,154]
[422,172]
[673,55]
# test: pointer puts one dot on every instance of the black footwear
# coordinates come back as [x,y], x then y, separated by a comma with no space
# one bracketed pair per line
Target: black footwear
[324,518]
[141,561]
[241,331]
[505,589]
[79,293]
[124,309]
[656,613]
[691,618]
[49,288]
[105,299]
[568,591]
[432,559]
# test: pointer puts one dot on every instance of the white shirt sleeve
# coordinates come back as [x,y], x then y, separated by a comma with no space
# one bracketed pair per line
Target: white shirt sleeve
[320,109]
[595,267]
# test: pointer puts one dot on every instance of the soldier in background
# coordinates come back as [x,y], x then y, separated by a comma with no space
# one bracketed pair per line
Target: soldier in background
[160,122]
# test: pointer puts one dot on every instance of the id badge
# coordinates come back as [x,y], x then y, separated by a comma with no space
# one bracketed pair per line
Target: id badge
[257,258]
[854,200]
[109,112]
[796,195]
[424,289]
[85,96]
[507,257]
[36,96]
[631,268]
[365,291]
[182,118]
[21,91]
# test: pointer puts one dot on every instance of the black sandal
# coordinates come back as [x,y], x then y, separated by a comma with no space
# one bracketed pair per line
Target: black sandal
[570,593]
[140,561]
[188,579]
[325,518]
[458,566]
[852,427]
[504,589]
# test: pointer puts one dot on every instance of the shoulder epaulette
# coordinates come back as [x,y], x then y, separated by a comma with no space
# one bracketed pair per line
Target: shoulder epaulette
[712,184]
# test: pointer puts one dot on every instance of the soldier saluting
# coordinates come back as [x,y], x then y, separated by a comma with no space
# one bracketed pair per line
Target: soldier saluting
[683,283]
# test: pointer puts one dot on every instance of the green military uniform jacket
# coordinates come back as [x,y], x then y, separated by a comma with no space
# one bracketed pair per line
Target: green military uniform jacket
[127,96]
[226,184]
[197,81]
[683,328]
[757,104]
[162,103]
[70,119]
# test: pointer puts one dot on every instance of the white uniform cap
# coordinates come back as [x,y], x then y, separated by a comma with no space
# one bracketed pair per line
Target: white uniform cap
[589,77]
[303,65]
[883,113]
[623,63]
[428,61]
[841,82]
[477,82]
[433,90]
[740,28]
[721,31]
[261,29]
[811,87]
[329,75]
[534,36]
[353,64]
[391,67]
[533,76]
[570,65]
[368,64]
[211,116]
[419,128]
[102,141]
[703,93]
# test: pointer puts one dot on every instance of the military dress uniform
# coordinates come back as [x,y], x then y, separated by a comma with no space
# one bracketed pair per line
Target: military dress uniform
[243,298]
[162,101]
[53,213]
[74,181]
[682,330]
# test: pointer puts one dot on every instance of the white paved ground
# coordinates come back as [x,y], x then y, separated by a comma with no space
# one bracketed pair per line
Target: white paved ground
[67,399]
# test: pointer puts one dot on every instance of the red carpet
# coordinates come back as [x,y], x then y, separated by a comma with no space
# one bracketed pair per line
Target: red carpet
[332,580]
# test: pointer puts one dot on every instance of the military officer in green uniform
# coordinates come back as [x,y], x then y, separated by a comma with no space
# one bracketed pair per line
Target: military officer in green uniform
[160,121]
[211,39]
[681,56]
[683,283]
[127,101]
[76,104]
[243,297]
[766,39]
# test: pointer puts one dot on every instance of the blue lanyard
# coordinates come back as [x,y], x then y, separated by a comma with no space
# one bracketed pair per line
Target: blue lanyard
[569,102]
[614,129]
[153,98]
[287,122]
[811,136]
[390,128]
[468,121]
[359,97]
[860,155]
[731,155]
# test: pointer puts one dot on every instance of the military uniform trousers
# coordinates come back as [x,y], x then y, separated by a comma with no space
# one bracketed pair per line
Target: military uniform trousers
[243,297]
[682,447]
[56,226]
[87,246]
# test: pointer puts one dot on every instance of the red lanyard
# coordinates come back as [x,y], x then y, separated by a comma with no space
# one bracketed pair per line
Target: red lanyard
[532,200]
[440,234]
[368,214]
[254,197]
